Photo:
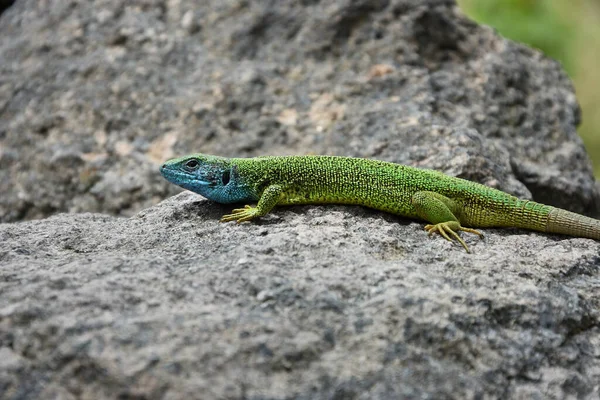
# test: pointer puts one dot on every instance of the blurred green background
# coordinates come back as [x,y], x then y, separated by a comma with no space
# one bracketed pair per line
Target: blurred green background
[566,30]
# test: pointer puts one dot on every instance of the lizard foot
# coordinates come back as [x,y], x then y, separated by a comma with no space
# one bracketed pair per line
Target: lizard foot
[448,231]
[241,214]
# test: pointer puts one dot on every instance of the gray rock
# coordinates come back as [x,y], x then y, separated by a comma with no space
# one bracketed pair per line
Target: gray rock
[95,95]
[311,302]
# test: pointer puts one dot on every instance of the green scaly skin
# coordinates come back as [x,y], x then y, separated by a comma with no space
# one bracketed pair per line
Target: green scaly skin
[449,204]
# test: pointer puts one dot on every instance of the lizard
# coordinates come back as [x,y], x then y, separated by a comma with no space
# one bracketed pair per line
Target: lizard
[449,204]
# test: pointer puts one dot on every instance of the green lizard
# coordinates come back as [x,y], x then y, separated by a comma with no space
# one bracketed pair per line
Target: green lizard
[449,204]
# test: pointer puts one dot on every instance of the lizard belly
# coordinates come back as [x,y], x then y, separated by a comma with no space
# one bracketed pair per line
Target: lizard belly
[376,199]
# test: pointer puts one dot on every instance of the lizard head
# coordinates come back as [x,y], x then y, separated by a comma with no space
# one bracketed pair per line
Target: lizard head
[213,177]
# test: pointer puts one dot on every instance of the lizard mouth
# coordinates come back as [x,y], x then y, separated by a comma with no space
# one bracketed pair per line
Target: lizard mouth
[181,178]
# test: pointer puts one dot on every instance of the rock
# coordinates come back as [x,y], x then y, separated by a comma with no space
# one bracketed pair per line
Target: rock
[96,95]
[310,302]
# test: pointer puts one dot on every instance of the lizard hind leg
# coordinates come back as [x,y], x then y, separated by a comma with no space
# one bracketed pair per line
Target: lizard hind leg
[440,211]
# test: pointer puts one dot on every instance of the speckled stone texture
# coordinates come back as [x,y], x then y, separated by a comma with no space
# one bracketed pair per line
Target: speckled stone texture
[311,302]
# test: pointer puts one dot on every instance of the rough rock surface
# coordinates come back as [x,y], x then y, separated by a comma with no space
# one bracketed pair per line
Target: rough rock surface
[95,95]
[309,303]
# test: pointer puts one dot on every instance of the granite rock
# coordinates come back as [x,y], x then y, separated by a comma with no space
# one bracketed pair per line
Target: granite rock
[311,302]
[160,301]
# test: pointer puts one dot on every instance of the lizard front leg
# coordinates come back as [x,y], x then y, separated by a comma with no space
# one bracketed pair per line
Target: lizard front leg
[437,209]
[268,200]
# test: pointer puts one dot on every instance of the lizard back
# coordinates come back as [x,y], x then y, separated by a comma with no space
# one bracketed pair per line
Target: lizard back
[372,183]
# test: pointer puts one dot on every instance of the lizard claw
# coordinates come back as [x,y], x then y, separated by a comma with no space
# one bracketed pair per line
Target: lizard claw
[448,231]
[240,214]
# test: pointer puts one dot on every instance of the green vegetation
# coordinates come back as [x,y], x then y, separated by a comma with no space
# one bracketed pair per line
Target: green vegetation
[567,30]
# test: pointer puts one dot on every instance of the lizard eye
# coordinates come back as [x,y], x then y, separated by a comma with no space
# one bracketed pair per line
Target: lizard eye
[192,164]
[226,177]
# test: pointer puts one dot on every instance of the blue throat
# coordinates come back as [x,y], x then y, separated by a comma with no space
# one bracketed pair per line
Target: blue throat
[233,191]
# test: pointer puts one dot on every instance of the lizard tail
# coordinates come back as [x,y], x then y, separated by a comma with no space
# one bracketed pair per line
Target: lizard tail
[572,224]
[543,218]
